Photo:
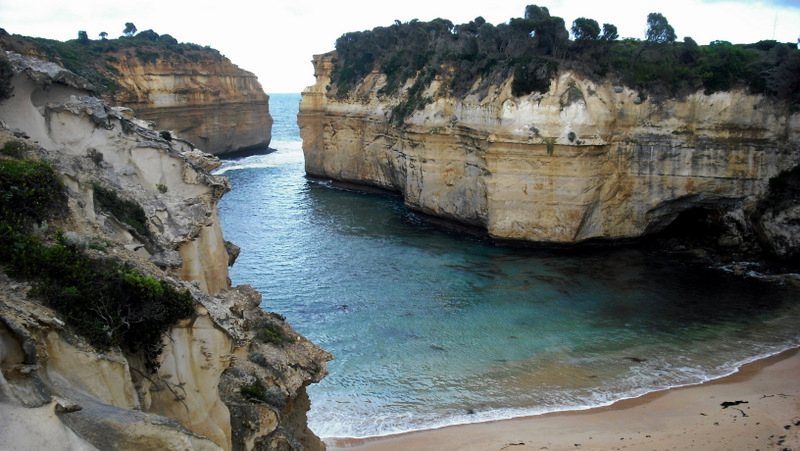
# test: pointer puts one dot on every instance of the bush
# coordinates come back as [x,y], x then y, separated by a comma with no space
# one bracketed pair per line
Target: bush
[126,211]
[533,75]
[271,332]
[257,392]
[14,149]
[30,192]
[532,49]
[109,305]
[6,72]
[254,392]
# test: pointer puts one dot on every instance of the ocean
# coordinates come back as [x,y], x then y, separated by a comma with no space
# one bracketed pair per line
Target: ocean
[431,328]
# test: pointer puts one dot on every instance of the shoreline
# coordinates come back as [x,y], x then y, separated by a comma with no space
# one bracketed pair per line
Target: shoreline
[757,407]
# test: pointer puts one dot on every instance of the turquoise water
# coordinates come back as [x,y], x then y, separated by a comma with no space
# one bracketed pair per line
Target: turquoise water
[431,328]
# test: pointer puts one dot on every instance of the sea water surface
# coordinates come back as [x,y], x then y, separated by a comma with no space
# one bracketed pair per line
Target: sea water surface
[431,328]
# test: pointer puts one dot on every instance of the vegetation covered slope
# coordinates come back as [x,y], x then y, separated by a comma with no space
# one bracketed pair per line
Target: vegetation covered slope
[535,47]
[95,59]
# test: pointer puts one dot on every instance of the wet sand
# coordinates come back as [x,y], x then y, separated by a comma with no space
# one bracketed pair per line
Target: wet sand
[756,408]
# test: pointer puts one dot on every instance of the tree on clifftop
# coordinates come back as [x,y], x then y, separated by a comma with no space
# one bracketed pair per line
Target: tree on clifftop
[658,29]
[585,29]
[610,32]
[130,29]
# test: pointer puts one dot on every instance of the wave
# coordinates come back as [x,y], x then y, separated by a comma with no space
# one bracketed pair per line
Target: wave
[340,425]
[287,152]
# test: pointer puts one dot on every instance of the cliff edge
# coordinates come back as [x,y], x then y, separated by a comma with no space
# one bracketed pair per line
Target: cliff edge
[131,243]
[187,89]
[585,159]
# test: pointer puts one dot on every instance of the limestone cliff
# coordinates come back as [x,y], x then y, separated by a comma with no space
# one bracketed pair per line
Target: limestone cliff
[585,160]
[220,383]
[211,103]
[193,91]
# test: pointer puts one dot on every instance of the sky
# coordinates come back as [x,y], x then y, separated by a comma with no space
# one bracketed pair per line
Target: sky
[277,39]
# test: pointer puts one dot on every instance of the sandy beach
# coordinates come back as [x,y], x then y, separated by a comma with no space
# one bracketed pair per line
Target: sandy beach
[756,408]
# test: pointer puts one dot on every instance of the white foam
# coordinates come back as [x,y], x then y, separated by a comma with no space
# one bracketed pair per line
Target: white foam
[288,152]
[340,424]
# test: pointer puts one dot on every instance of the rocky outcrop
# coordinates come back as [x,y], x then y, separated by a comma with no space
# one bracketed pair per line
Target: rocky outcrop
[212,103]
[583,161]
[55,387]
[194,92]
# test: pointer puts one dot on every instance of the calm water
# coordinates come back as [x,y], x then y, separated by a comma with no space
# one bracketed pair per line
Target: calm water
[430,328]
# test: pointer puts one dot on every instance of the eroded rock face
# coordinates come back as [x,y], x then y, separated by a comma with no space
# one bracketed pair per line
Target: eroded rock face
[198,95]
[582,161]
[214,104]
[56,387]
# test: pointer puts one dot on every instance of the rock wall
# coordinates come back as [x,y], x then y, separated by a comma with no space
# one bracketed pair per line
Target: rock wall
[56,388]
[582,161]
[212,103]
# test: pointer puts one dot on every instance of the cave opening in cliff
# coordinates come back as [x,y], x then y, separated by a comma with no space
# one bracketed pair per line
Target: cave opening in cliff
[701,226]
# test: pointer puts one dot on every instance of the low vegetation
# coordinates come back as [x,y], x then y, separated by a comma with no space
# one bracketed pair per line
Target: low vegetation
[535,47]
[96,59]
[258,392]
[6,90]
[270,331]
[102,299]
[124,210]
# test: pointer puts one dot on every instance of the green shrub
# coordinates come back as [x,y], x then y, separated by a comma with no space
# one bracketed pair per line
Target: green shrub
[257,392]
[94,155]
[14,149]
[534,48]
[269,331]
[784,190]
[108,304]
[30,192]
[126,211]
[533,75]
[6,72]
[254,392]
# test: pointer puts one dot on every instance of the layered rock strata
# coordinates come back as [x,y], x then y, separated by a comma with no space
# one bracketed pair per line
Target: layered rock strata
[195,93]
[55,387]
[583,161]
[214,104]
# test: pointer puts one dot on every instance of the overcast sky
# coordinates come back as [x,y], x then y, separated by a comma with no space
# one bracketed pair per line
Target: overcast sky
[275,40]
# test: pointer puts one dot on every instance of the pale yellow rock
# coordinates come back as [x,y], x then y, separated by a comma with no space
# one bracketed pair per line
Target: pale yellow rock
[205,258]
[214,104]
[579,162]
[193,359]
[106,379]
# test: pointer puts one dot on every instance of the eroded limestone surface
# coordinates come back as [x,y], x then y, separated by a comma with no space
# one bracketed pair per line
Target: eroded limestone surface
[55,387]
[581,161]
